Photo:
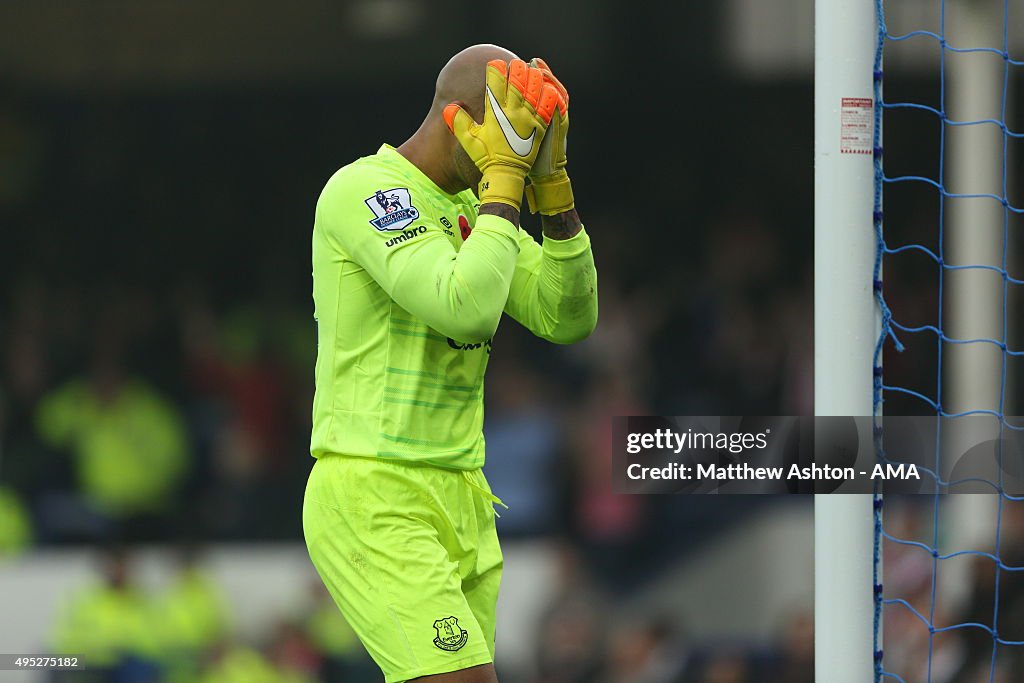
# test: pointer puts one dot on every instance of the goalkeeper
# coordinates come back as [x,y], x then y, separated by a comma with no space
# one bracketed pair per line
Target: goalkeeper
[416,253]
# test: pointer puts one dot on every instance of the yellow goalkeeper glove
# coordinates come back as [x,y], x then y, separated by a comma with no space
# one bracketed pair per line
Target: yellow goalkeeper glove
[518,105]
[550,191]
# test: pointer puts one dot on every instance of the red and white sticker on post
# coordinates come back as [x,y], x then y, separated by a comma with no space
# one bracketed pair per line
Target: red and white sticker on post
[857,125]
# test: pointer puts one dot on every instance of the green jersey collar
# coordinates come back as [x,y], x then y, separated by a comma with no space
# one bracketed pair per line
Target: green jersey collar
[392,155]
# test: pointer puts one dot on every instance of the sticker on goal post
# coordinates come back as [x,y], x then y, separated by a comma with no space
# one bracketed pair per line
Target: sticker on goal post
[857,123]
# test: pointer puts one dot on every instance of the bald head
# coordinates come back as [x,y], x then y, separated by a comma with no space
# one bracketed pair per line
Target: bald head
[463,78]
[432,148]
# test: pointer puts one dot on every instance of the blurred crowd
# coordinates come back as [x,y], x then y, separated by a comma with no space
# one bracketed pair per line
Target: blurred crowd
[157,347]
[578,643]
[154,413]
[120,424]
[184,631]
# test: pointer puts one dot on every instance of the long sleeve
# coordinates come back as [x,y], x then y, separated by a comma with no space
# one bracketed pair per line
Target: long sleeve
[554,288]
[460,294]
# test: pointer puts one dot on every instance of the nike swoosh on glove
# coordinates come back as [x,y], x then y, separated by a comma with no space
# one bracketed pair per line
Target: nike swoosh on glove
[518,106]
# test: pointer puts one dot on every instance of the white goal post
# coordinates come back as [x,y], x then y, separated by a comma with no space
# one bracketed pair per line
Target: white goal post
[846,325]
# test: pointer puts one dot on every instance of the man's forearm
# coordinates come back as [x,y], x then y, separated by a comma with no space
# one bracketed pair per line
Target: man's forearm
[561,226]
[506,211]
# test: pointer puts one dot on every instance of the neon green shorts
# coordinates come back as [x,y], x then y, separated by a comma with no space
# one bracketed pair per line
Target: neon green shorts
[410,554]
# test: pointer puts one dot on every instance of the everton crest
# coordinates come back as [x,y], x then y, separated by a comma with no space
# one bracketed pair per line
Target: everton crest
[450,636]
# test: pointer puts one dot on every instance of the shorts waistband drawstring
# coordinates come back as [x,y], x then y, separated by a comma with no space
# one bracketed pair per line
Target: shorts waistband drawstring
[488,495]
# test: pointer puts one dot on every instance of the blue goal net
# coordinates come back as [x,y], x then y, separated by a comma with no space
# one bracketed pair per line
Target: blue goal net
[949,217]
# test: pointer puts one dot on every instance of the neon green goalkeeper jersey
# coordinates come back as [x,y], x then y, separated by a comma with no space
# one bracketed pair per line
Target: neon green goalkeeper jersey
[408,286]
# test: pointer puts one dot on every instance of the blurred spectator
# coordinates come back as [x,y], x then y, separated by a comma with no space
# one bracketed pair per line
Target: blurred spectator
[25,368]
[232,663]
[293,654]
[522,433]
[228,361]
[193,612]
[796,656]
[15,526]
[607,524]
[731,666]
[571,635]
[645,651]
[244,407]
[127,442]
[110,621]
[344,658]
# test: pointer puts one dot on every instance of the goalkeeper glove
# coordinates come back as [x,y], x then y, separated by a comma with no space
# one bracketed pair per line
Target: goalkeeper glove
[518,105]
[550,191]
